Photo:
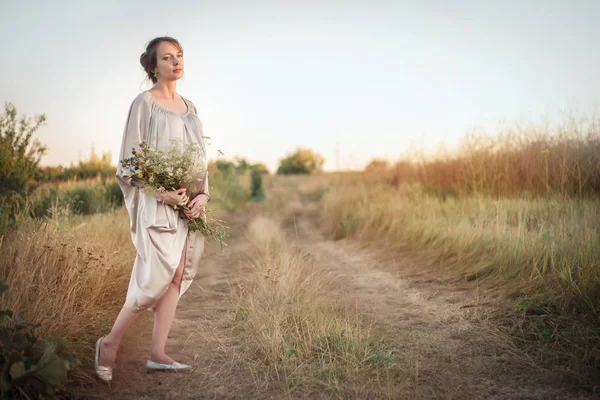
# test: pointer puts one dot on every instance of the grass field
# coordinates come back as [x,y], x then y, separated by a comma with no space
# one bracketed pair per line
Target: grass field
[518,215]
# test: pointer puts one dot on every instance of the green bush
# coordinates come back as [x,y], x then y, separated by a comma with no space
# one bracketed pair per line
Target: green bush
[113,195]
[19,155]
[302,161]
[31,367]
[19,159]
[81,200]
[10,206]
[226,188]
[260,167]
[256,189]
[42,206]
[95,166]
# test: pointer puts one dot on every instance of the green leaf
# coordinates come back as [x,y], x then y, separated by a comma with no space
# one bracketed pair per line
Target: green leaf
[53,371]
[73,361]
[11,358]
[17,370]
[59,343]
[4,335]
[6,314]
[19,341]
[51,368]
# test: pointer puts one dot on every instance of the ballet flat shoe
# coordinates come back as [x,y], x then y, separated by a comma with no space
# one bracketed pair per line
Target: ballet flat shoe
[154,366]
[103,372]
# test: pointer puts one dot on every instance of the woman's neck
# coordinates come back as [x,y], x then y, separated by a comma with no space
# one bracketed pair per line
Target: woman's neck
[167,90]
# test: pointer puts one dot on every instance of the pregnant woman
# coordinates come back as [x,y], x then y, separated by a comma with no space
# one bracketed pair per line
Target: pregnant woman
[168,253]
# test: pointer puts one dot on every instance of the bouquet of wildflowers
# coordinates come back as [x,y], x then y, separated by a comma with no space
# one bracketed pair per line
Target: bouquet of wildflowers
[161,171]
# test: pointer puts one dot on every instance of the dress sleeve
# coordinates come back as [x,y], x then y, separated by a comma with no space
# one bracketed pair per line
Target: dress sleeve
[136,130]
[192,106]
[205,187]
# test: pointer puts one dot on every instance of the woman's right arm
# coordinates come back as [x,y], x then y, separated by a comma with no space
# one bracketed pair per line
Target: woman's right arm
[137,130]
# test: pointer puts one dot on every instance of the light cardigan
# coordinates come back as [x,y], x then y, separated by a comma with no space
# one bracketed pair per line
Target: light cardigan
[157,232]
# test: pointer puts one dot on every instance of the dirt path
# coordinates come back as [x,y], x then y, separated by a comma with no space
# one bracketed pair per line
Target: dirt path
[200,336]
[435,328]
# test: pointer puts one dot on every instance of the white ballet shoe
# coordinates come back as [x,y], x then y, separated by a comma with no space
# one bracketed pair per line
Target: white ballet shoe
[154,366]
[103,372]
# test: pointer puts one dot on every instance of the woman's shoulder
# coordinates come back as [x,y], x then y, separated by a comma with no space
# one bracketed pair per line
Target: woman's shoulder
[191,105]
[140,103]
[141,99]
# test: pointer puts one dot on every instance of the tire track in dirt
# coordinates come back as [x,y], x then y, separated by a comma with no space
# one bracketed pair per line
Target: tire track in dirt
[435,326]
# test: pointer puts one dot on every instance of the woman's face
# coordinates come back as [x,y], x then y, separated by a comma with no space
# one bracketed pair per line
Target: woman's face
[169,61]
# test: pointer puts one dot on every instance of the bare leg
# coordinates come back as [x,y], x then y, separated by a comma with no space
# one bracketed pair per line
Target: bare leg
[110,343]
[164,313]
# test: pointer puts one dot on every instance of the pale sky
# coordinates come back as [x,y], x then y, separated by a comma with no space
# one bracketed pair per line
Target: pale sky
[374,77]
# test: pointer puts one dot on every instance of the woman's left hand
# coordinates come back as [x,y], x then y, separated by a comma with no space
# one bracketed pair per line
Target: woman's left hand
[196,206]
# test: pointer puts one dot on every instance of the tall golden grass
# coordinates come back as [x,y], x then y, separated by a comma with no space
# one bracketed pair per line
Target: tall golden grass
[68,273]
[554,159]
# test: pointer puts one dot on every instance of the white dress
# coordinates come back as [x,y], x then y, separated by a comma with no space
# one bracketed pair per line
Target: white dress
[158,233]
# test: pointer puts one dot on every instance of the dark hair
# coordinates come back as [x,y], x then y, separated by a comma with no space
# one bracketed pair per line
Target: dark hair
[148,58]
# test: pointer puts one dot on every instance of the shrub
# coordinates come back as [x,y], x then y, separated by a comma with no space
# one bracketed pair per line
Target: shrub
[226,188]
[260,167]
[302,161]
[113,195]
[80,200]
[19,158]
[41,206]
[94,167]
[31,368]
[256,189]
[19,155]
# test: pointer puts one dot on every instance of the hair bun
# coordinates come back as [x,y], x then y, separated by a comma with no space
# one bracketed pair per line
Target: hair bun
[144,59]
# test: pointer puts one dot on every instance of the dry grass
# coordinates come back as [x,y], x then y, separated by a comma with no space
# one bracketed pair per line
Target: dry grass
[548,243]
[561,159]
[519,209]
[70,274]
[295,332]
[544,252]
